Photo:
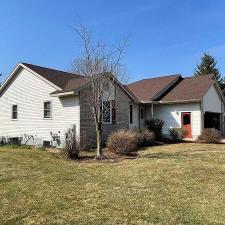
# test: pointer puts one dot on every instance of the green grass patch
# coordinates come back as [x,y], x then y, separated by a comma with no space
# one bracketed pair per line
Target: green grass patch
[170,184]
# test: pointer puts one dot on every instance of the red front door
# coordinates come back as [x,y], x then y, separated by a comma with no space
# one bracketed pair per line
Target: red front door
[186,124]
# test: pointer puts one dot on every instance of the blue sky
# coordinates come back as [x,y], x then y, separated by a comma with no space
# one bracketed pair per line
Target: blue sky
[165,36]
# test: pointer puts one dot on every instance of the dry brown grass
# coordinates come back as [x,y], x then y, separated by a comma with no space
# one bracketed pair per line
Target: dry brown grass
[170,184]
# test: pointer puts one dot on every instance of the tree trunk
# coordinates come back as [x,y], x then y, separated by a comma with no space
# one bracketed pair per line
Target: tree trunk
[99,143]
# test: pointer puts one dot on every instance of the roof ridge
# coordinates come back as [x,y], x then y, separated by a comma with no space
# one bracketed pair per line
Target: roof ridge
[200,76]
[57,70]
[172,75]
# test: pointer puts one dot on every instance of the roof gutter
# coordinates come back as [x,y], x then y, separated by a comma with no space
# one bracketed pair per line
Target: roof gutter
[149,102]
[63,94]
[180,101]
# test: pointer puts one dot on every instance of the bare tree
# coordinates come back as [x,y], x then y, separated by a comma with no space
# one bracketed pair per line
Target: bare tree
[101,66]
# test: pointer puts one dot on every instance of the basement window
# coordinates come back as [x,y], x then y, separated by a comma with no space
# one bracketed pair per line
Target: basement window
[14,112]
[47,110]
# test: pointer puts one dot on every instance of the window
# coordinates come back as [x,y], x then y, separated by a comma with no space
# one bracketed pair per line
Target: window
[142,113]
[14,112]
[186,119]
[106,112]
[47,110]
[131,114]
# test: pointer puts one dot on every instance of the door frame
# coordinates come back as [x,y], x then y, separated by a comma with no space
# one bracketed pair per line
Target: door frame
[142,120]
[189,113]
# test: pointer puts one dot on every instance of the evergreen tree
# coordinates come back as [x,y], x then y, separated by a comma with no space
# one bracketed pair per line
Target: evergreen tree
[222,85]
[208,66]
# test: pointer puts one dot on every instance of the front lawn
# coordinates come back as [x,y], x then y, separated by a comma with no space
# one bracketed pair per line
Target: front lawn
[171,184]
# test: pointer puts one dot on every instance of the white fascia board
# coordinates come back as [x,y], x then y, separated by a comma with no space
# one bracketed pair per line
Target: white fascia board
[16,69]
[63,94]
[39,76]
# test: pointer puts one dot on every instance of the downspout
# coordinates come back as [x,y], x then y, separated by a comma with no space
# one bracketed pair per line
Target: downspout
[139,118]
[222,125]
[223,119]
[152,110]
[202,116]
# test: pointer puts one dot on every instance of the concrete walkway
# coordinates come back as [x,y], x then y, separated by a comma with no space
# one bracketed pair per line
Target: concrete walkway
[194,140]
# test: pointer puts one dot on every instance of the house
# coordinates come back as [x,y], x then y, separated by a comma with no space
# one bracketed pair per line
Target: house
[193,103]
[39,105]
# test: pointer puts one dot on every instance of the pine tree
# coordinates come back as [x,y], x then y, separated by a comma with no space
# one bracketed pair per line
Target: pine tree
[222,86]
[208,66]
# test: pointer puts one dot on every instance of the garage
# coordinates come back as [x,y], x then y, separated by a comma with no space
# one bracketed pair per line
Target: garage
[212,120]
[213,109]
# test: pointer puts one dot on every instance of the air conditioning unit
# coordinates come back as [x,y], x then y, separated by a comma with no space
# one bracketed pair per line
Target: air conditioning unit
[47,144]
[15,140]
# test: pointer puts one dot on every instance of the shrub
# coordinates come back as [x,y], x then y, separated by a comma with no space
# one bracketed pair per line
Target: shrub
[122,142]
[156,126]
[177,134]
[72,146]
[210,136]
[145,137]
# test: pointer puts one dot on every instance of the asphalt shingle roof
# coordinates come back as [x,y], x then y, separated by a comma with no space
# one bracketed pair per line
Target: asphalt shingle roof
[190,88]
[145,90]
[59,78]
[169,88]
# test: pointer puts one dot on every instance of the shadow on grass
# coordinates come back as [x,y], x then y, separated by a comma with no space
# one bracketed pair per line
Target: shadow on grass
[189,154]
[177,154]
[182,154]
[162,155]
[107,157]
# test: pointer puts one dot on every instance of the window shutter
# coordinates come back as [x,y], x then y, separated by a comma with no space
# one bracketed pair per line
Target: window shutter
[113,111]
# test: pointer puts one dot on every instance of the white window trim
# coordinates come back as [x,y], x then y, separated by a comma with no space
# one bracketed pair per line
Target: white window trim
[47,118]
[110,112]
[12,112]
